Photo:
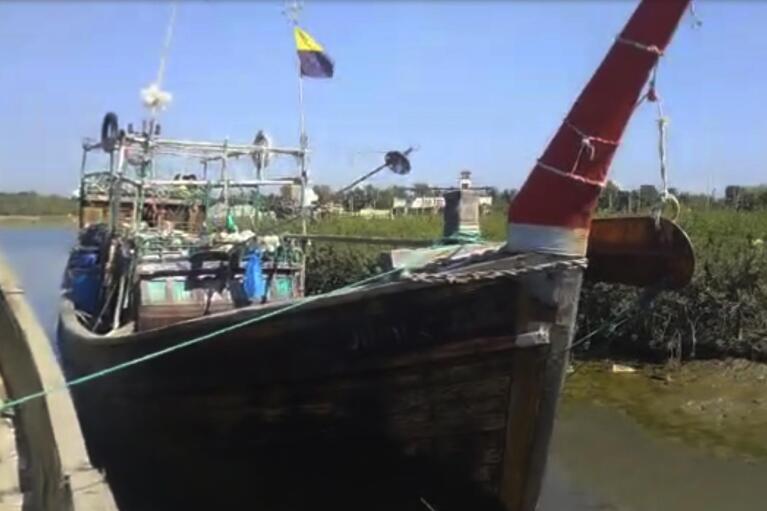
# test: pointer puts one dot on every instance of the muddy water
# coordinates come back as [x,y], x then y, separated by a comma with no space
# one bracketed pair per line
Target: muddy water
[609,462]
[601,457]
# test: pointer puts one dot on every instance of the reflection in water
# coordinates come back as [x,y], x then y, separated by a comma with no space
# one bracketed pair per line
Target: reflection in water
[600,460]
[38,256]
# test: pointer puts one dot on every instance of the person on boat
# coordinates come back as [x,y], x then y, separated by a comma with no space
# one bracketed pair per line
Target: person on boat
[148,213]
[152,214]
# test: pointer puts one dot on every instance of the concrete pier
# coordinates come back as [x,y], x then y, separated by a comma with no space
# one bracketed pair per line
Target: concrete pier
[43,461]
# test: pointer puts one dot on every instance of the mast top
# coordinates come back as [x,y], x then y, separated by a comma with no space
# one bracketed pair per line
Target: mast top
[553,209]
[293,10]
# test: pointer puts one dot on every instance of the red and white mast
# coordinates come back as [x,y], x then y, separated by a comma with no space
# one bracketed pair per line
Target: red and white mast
[553,209]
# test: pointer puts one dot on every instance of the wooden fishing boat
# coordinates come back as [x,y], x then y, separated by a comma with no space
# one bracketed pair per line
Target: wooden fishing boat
[431,386]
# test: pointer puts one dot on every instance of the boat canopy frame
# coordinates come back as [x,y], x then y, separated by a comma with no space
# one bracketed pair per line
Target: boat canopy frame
[139,150]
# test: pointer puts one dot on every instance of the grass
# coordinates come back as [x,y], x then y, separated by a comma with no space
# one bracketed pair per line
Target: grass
[722,312]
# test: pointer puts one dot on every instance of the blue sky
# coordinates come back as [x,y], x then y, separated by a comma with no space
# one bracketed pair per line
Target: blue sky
[476,85]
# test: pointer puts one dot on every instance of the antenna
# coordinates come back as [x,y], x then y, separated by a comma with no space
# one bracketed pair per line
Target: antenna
[292,10]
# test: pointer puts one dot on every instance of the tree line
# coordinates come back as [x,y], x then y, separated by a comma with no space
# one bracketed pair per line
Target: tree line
[30,203]
[34,204]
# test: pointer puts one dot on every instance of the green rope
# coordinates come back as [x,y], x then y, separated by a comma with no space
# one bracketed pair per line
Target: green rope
[461,238]
[185,344]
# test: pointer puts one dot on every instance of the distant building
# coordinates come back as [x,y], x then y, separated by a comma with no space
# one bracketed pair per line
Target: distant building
[310,197]
[375,213]
[436,203]
[330,208]
[464,181]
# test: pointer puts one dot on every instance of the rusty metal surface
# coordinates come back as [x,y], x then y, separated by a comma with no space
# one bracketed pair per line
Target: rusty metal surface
[634,251]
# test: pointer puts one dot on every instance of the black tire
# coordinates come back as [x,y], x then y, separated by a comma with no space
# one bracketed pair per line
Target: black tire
[110,132]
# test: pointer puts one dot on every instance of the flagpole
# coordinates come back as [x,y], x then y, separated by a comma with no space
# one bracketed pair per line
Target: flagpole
[292,11]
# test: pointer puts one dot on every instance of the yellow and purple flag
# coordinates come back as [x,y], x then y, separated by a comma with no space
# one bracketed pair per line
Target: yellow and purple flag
[314,62]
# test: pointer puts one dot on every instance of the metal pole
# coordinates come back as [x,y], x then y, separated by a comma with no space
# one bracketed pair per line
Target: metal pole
[291,11]
[225,177]
[81,198]
[361,179]
[303,138]
[116,186]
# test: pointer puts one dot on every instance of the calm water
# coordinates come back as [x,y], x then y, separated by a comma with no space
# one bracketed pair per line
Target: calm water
[600,459]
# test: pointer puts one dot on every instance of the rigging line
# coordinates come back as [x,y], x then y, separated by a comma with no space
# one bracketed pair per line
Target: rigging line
[645,299]
[696,21]
[412,262]
[166,45]
[185,344]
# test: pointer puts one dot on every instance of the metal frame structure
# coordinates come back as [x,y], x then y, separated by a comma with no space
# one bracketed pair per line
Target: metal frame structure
[143,148]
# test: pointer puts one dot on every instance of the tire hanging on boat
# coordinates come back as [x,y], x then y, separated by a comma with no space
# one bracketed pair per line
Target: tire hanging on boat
[110,132]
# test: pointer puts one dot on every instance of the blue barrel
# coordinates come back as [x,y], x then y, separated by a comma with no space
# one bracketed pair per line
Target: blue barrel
[84,258]
[253,281]
[84,279]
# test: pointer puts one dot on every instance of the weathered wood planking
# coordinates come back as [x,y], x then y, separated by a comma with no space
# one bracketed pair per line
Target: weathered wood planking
[381,397]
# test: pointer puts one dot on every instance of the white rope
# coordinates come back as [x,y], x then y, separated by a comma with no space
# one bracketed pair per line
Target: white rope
[166,44]
[663,121]
[570,175]
[696,21]
[153,96]
[641,46]
[587,144]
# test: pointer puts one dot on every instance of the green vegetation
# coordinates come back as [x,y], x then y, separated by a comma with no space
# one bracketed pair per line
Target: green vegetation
[33,204]
[332,265]
[722,312]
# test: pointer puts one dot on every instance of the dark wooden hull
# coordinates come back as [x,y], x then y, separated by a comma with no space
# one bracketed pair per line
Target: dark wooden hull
[404,397]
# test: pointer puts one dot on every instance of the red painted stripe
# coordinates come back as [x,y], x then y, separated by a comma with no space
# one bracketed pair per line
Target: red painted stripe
[602,110]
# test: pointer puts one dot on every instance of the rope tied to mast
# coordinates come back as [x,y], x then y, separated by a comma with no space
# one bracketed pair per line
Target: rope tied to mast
[641,46]
[587,144]
[652,96]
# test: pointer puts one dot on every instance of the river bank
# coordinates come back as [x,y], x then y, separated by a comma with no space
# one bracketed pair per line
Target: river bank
[30,221]
[716,405]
